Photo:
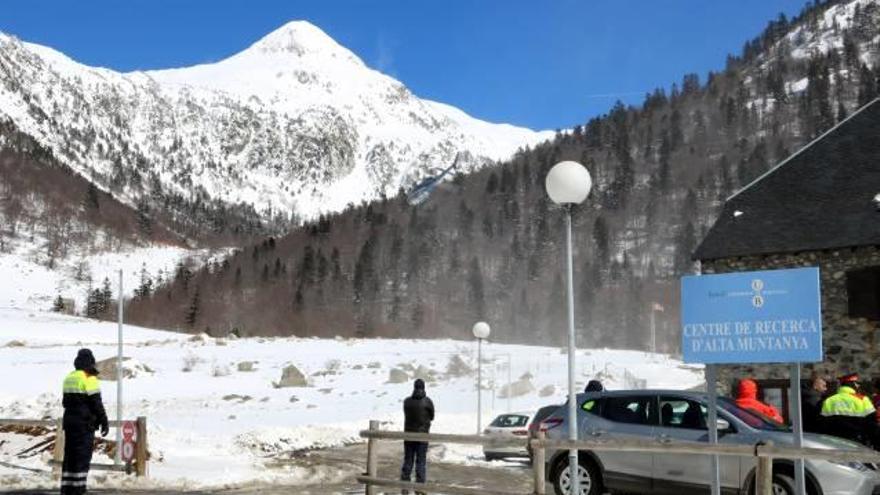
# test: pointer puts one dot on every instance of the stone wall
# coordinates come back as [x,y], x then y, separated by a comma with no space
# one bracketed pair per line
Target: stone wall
[850,345]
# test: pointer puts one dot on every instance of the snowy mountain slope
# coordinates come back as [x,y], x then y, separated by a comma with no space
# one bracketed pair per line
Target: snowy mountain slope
[294,124]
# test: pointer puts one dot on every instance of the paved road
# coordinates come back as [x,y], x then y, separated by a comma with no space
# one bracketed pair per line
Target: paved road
[513,478]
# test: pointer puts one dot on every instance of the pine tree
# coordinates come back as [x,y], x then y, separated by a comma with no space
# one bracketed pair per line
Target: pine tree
[601,240]
[685,244]
[475,289]
[93,303]
[299,300]
[337,268]
[365,278]
[143,218]
[91,200]
[58,305]
[867,86]
[193,311]
[145,289]
[106,296]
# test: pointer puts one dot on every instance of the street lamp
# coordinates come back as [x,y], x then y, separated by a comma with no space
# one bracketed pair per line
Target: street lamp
[568,183]
[481,331]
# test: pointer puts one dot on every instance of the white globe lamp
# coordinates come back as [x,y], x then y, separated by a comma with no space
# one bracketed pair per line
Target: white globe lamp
[482,330]
[568,183]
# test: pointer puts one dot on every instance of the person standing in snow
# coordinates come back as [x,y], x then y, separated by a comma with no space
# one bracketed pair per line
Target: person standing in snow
[418,411]
[83,414]
[747,398]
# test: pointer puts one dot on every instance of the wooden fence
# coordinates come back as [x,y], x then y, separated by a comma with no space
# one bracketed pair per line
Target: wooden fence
[137,466]
[765,453]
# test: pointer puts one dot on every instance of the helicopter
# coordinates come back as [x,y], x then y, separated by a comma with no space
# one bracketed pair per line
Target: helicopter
[421,191]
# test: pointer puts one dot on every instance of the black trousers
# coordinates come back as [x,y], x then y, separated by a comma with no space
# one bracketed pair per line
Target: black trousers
[414,452]
[78,444]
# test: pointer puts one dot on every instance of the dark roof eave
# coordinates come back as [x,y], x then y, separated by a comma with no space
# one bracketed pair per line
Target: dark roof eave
[807,249]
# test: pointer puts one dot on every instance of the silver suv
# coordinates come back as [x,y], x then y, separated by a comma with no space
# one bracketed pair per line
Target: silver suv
[667,415]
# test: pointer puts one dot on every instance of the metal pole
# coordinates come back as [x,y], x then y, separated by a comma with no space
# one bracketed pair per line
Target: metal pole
[509,383]
[711,380]
[121,299]
[653,332]
[797,425]
[479,385]
[572,395]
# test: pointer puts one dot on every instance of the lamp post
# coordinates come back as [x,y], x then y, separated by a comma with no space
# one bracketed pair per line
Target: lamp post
[481,331]
[568,183]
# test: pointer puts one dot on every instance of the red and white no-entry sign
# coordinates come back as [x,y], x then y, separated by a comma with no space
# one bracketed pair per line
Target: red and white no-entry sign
[128,431]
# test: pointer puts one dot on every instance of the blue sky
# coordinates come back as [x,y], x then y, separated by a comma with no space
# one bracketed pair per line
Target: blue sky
[543,64]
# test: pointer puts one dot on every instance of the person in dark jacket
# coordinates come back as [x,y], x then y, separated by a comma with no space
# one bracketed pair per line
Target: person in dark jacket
[812,396]
[83,414]
[594,386]
[418,411]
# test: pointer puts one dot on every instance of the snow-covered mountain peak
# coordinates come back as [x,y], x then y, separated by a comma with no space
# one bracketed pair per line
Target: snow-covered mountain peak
[294,123]
[300,39]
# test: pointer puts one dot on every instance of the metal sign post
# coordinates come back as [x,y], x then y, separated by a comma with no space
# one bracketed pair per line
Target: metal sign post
[797,425]
[711,380]
[118,457]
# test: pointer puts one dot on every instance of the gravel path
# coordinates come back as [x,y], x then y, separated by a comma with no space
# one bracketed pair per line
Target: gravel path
[513,477]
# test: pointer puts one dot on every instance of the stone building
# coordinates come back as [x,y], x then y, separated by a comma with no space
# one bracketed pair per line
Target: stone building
[819,207]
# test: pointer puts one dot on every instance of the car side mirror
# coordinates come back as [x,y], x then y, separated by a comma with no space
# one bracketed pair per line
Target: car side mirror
[723,425]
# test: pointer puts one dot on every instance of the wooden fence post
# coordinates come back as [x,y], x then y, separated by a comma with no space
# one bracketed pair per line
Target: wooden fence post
[538,459]
[58,451]
[141,452]
[764,474]
[372,458]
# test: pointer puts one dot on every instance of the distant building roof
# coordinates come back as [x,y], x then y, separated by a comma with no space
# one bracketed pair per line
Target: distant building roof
[824,196]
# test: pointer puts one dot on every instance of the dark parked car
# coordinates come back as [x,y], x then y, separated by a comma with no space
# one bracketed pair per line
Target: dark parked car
[537,423]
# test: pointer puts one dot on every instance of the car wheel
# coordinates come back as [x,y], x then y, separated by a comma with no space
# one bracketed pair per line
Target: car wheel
[587,473]
[783,485]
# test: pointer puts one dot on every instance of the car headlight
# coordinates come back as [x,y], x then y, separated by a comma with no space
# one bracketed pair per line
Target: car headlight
[858,466]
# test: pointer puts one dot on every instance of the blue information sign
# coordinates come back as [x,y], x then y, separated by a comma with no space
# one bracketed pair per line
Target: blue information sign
[752,317]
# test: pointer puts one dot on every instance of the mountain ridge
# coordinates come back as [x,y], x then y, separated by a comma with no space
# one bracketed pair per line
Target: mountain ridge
[300,138]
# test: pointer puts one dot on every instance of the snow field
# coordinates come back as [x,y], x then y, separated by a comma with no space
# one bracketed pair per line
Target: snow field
[212,425]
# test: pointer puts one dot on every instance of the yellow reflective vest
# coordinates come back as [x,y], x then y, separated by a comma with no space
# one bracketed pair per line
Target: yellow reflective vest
[78,382]
[82,401]
[847,403]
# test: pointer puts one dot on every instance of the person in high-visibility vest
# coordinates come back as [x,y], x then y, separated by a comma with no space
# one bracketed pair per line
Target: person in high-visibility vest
[848,413]
[83,414]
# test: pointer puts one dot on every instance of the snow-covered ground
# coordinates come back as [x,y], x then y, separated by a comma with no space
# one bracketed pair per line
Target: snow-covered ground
[214,425]
[30,284]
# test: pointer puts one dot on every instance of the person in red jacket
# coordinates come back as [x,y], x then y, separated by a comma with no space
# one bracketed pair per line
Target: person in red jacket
[747,398]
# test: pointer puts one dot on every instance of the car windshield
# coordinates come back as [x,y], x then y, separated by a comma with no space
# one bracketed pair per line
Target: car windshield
[755,420]
[510,421]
